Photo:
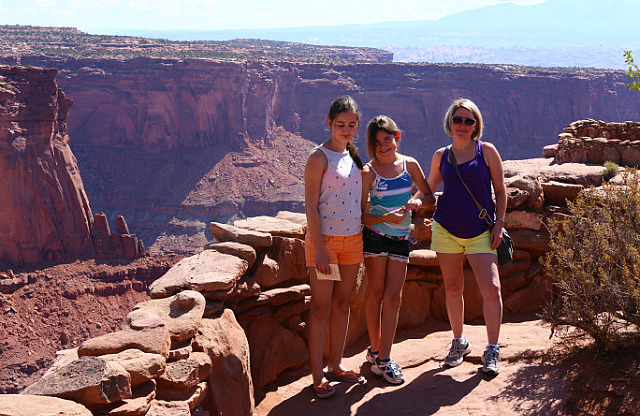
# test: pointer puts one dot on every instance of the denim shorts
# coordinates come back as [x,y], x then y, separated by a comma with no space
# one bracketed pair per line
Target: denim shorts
[378,245]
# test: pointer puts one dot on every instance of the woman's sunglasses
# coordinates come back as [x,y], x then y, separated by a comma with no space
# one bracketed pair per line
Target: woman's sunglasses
[467,121]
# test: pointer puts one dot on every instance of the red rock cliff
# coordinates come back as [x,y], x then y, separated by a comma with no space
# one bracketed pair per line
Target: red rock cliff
[163,140]
[44,211]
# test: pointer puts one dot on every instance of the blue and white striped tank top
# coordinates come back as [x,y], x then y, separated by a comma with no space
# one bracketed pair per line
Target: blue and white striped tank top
[389,194]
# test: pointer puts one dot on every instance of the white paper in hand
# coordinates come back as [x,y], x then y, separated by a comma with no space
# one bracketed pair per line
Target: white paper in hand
[333,275]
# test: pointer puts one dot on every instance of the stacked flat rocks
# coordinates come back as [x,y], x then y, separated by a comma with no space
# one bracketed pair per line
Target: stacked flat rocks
[591,141]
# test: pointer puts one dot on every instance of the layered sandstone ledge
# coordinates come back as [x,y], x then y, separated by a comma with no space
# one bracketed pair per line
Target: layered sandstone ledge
[591,141]
[233,317]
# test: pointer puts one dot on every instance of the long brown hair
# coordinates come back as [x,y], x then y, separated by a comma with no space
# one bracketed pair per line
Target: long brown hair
[347,104]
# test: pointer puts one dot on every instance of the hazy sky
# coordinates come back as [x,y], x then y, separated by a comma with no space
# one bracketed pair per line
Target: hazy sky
[98,15]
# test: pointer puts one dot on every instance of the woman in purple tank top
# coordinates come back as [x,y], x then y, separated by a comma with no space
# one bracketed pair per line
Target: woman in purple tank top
[457,230]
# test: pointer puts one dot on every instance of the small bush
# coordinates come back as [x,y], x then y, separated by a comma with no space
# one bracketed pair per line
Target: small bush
[595,264]
[610,170]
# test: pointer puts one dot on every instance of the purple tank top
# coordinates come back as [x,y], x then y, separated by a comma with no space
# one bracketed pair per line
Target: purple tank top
[456,211]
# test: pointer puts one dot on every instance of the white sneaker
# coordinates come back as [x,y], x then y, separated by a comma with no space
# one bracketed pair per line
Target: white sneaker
[491,360]
[389,370]
[457,352]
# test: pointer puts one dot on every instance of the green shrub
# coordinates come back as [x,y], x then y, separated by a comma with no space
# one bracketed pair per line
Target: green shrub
[595,264]
[610,170]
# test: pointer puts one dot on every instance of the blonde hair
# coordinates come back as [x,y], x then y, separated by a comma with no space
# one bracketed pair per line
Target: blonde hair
[469,105]
[379,123]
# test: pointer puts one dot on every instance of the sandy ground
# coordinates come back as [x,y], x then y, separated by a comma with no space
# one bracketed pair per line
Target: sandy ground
[530,381]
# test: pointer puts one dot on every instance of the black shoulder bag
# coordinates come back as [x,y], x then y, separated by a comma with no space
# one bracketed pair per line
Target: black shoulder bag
[505,249]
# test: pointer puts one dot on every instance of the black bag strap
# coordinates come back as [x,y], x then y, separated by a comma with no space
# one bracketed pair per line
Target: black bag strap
[483,212]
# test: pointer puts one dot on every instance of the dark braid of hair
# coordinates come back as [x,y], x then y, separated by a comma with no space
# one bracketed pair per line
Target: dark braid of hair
[353,152]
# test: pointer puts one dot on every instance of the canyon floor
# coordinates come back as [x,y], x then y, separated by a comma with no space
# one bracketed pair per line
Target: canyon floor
[540,375]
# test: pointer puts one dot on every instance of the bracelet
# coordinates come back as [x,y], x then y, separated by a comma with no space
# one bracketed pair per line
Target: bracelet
[500,219]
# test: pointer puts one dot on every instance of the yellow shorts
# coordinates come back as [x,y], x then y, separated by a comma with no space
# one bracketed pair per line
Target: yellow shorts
[343,250]
[442,241]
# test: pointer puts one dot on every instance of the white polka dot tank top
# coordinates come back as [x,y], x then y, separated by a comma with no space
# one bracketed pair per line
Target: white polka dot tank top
[340,195]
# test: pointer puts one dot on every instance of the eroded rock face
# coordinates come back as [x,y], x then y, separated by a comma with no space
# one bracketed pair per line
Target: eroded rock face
[44,210]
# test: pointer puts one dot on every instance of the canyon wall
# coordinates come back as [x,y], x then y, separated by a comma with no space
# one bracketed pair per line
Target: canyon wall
[44,210]
[173,144]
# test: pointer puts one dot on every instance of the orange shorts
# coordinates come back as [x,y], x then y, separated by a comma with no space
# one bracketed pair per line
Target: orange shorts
[341,249]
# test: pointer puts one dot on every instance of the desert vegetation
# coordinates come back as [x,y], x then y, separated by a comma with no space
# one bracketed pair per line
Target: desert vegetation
[595,264]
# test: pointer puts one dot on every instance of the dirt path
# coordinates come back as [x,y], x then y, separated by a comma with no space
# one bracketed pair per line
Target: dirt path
[527,384]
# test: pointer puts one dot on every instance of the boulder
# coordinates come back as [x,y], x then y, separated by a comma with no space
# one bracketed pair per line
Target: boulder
[266,273]
[416,303]
[297,217]
[558,192]
[289,254]
[207,271]
[151,335]
[224,232]
[88,380]
[532,186]
[423,257]
[193,396]
[523,219]
[33,405]
[186,374]
[181,313]
[272,225]
[534,296]
[224,340]
[275,297]
[274,349]
[169,408]
[141,366]
[244,251]
[138,404]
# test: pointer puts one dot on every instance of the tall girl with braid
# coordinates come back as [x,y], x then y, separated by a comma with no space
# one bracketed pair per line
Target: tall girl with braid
[387,181]
[333,244]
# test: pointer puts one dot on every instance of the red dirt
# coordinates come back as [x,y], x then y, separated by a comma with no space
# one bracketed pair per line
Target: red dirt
[62,306]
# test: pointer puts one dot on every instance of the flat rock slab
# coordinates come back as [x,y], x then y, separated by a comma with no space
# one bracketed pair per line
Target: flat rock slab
[423,257]
[32,405]
[141,366]
[208,271]
[88,380]
[297,217]
[182,313]
[225,232]
[275,226]
[526,384]
[154,338]
[244,251]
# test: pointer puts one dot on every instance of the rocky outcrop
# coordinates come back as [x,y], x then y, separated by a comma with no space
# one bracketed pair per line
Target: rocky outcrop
[44,210]
[235,324]
[591,141]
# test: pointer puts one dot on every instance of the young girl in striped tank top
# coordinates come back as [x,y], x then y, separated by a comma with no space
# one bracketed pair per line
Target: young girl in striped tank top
[387,182]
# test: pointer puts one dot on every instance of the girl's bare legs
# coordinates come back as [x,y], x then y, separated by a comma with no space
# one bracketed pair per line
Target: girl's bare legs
[453,277]
[376,274]
[383,324]
[319,314]
[339,320]
[485,270]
